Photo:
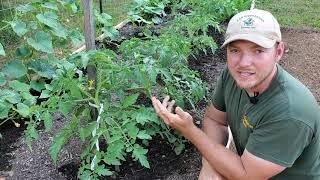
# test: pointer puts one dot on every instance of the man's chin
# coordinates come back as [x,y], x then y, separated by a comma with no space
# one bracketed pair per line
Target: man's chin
[246,85]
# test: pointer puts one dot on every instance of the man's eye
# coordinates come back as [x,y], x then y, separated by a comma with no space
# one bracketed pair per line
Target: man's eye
[234,50]
[258,51]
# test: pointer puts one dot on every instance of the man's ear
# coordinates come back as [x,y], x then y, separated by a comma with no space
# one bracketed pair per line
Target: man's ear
[279,51]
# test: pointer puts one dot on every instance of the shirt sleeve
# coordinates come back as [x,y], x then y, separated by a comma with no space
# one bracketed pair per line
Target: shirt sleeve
[280,142]
[217,97]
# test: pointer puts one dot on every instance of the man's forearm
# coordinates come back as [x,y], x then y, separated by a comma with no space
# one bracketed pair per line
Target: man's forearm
[223,160]
[216,132]
[215,125]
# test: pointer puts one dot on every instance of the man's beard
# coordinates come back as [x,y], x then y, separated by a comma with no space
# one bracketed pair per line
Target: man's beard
[254,84]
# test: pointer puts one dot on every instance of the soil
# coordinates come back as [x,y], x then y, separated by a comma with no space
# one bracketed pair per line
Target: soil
[18,162]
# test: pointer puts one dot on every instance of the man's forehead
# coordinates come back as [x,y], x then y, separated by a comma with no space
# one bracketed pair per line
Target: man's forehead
[241,43]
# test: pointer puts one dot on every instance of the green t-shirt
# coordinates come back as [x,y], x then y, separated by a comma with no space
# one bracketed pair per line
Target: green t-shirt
[282,127]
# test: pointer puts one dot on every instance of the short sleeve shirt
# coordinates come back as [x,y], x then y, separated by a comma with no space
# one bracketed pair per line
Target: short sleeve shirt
[282,127]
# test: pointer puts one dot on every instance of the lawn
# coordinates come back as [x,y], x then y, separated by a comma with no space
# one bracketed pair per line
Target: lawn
[294,13]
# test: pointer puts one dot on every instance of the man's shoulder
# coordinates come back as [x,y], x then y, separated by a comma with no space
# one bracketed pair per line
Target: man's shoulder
[297,95]
[294,100]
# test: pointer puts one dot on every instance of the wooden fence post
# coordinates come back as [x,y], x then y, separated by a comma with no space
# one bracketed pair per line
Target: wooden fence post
[90,45]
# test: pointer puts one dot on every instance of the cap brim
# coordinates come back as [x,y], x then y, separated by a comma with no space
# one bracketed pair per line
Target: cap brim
[259,40]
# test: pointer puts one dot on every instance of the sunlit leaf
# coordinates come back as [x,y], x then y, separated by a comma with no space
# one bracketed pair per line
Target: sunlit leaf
[51,19]
[15,69]
[50,5]
[45,94]
[41,42]
[3,80]
[43,68]
[179,148]
[145,115]
[2,52]
[29,100]
[103,171]
[74,7]
[103,18]
[11,96]
[140,154]
[23,110]
[86,131]
[19,27]
[66,107]
[4,109]
[23,8]
[19,86]
[48,120]
[62,138]
[129,100]
[76,37]
[32,134]
[143,135]
[132,130]
[37,85]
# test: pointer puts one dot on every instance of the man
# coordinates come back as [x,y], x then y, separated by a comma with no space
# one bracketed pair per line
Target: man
[274,118]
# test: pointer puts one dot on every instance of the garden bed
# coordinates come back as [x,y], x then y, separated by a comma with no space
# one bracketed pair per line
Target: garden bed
[17,161]
[126,140]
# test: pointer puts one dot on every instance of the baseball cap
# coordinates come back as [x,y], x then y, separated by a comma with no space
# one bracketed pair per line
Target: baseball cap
[257,26]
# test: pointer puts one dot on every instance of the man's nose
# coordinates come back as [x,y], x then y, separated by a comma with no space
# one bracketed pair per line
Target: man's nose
[245,60]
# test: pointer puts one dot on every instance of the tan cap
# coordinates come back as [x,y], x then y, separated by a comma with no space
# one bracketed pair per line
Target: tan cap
[257,26]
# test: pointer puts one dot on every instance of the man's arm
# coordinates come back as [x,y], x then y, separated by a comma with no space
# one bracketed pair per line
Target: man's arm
[215,126]
[229,164]
[223,160]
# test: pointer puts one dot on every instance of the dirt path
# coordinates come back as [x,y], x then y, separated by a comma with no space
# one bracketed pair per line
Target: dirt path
[302,57]
[16,161]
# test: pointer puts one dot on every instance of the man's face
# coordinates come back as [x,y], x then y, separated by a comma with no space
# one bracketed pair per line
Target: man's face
[252,65]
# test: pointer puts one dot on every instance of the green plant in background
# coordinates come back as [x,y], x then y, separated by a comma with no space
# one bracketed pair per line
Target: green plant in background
[105,24]
[171,53]
[39,24]
[194,18]
[37,83]
[148,11]
[25,75]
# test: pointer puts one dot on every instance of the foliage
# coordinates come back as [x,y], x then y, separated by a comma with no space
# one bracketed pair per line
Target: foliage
[124,124]
[148,11]
[170,53]
[105,20]
[24,77]
[194,18]
[36,83]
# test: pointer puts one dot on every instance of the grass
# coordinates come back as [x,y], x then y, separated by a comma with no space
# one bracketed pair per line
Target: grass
[117,9]
[294,13]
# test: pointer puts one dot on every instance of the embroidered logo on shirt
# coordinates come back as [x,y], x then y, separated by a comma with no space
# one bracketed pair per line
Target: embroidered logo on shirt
[245,122]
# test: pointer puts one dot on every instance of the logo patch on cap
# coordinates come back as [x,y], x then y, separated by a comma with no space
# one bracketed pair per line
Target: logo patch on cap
[248,23]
